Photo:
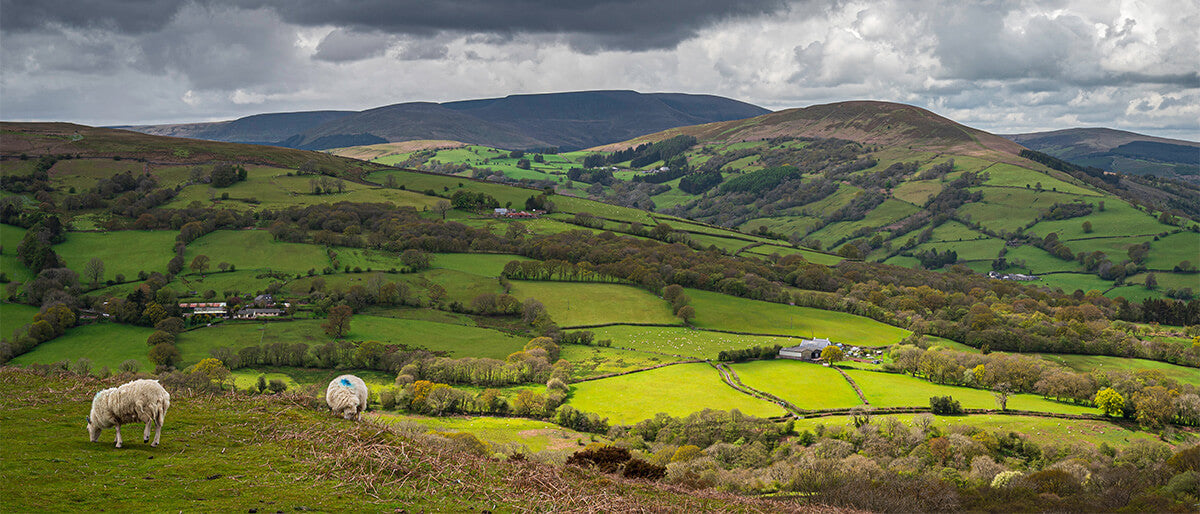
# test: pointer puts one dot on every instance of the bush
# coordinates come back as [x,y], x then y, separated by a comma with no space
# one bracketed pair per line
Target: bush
[387,398]
[945,405]
[277,386]
[606,459]
[129,366]
[638,468]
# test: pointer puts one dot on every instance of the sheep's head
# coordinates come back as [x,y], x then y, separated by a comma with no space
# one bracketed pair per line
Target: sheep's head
[349,413]
[93,430]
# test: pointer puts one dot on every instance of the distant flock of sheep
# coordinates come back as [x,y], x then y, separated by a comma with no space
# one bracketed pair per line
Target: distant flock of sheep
[145,401]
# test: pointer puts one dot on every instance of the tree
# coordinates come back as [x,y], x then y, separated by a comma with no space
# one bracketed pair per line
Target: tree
[200,264]
[94,270]
[441,207]
[338,323]
[1087,227]
[415,259]
[1001,392]
[212,368]
[1151,281]
[172,325]
[832,354]
[160,337]
[686,313]
[164,355]
[1155,405]
[1110,402]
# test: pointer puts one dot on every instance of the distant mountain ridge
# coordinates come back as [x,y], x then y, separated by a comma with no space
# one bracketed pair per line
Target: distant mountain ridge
[1119,151]
[569,121]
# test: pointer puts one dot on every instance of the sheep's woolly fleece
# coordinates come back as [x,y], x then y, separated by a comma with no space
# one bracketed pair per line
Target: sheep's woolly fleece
[347,396]
[140,401]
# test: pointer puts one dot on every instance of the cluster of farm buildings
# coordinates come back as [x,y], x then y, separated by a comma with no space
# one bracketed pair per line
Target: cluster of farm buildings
[810,350]
[263,306]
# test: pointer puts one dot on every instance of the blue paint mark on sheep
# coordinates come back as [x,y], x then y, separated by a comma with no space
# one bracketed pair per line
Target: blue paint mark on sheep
[346,382]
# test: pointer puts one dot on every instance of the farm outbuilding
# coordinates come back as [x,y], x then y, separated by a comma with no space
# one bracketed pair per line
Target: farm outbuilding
[808,350]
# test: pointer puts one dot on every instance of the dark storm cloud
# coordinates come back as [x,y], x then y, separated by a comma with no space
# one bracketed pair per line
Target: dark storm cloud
[589,25]
[344,45]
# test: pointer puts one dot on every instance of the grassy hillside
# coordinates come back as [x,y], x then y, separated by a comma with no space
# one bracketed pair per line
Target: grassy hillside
[237,453]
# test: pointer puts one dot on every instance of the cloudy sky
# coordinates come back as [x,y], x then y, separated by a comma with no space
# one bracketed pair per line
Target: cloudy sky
[1003,66]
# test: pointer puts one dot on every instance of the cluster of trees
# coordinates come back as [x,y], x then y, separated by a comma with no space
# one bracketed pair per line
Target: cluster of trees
[761,180]
[603,177]
[933,259]
[877,462]
[749,354]
[698,183]
[470,201]
[227,174]
[1146,395]
[1062,211]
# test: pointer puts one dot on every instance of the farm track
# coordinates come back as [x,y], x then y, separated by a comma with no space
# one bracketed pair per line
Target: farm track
[731,378]
[853,384]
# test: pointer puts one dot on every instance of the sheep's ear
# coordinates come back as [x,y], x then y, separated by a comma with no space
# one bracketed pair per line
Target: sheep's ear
[88,419]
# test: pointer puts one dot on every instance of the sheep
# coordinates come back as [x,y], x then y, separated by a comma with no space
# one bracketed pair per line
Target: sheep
[347,396]
[134,402]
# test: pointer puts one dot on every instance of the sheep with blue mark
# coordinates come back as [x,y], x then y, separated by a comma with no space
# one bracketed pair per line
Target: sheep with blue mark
[140,401]
[347,396]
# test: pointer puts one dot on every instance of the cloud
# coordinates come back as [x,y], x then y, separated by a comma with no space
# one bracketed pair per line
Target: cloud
[1000,66]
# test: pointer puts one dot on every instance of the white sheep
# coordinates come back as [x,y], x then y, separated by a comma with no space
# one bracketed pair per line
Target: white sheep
[347,396]
[135,402]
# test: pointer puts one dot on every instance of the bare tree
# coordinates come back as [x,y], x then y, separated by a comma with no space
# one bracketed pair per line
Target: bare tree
[94,270]
[442,207]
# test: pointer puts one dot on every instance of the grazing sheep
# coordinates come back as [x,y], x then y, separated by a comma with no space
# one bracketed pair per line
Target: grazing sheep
[135,402]
[347,396]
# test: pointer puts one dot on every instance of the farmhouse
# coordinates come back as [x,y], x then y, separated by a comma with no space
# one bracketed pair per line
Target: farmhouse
[209,308]
[808,350]
[1021,277]
[259,313]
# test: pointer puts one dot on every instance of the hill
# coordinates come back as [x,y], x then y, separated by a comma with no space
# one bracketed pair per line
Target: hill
[1119,151]
[568,121]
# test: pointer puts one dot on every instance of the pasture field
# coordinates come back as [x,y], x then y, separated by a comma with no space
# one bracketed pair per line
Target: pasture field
[83,174]
[782,225]
[803,384]
[684,341]
[724,243]
[890,211]
[582,303]
[368,259]
[106,344]
[270,187]
[1069,282]
[300,377]
[485,264]
[591,361]
[1037,429]
[904,261]
[1117,248]
[1008,175]
[1133,292]
[809,255]
[1089,363]
[917,192]
[1117,219]
[124,252]
[1037,261]
[1169,251]
[218,454]
[1008,208]
[953,231]
[1168,281]
[713,310]
[895,390]
[459,340]
[13,316]
[985,248]
[10,264]
[672,198]
[255,250]
[460,286]
[833,202]
[242,281]
[677,390]
[536,436]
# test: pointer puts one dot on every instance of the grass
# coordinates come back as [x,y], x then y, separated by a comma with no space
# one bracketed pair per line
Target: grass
[809,255]
[255,250]
[782,225]
[1037,429]
[676,390]
[917,192]
[272,188]
[488,265]
[713,311]
[591,361]
[890,211]
[1037,261]
[10,264]
[297,377]
[803,384]
[1090,363]
[1117,219]
[124,252]
[1169,251]
[13,316]
[894,390]
[458,340]
[535,436]
[106,344]
[1069,282]
[1008,175]
[572,303]
[684,341]
[1010,209]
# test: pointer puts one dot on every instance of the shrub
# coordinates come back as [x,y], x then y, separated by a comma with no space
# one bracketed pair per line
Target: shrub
[277,386]
[129,366]
[606,459]
[945,405]
[638,468]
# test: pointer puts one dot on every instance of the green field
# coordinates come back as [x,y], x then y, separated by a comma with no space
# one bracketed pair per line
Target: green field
[698,344]
[1090,363]
[459,340]
[1117,219]
[1008,175]
[106,344]
[255,250]
[676,390]
[272,188]
[10,237]
[1069,282]
[1037,261]
[894,390]
[917,192]
[13,316]
[803,384]
[1037,429]
[890,211]
[535,436]
[574,303]
[591,361]
[124,252]
[484,264]
[245,378]
[713,311]
[1169,251]
[809,255]
[1005,208]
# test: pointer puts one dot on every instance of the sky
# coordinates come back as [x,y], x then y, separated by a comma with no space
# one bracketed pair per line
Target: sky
[1001,66]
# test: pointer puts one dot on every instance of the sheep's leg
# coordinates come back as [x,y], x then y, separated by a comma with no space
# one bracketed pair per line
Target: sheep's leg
[118,436]
[146,433]
[158,432]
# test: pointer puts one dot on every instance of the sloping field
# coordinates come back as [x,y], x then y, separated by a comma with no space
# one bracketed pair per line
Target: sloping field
[255,249]
[894,390]
[124,252]
[715,310]
[676,390]
[573,303]
[803,384]
[684,341]
[106,344]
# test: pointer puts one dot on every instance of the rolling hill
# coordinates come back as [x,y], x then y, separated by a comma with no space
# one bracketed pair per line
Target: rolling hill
[1119,151]
[568,121]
